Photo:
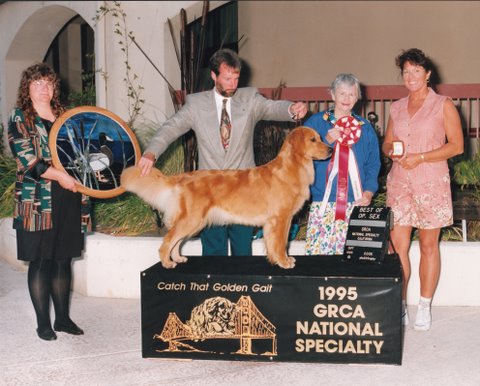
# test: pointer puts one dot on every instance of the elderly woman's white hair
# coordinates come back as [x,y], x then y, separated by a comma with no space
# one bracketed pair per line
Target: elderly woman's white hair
[348,79]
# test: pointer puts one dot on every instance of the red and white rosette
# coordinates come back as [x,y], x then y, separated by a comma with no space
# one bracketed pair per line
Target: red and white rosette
[350,130]
[344,164]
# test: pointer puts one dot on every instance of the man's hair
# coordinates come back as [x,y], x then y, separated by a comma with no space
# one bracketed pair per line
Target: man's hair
[227,56]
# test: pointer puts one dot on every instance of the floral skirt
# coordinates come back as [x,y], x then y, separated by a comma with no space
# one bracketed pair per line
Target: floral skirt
[325,235]
[426,205]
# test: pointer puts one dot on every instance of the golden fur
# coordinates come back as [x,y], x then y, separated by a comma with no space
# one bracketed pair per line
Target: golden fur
[267,195]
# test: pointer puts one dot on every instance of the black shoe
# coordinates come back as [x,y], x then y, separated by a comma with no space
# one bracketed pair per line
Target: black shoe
[68,327]
[46,334]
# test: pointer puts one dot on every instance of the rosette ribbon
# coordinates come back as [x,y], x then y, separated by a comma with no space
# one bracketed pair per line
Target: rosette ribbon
[344,164]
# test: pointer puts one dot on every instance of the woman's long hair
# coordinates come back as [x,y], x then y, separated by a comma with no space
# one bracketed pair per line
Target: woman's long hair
[36,72]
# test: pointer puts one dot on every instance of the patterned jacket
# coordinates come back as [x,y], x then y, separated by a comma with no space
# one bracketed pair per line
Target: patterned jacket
[33,201]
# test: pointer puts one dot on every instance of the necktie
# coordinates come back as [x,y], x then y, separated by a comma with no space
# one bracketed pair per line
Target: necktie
[225,126]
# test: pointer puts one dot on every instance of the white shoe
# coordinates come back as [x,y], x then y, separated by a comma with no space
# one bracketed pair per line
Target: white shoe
[405,318]
[423,321]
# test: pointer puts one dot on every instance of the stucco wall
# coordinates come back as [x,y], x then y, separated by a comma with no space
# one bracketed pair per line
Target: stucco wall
[148,22]
[28,27]
[306,43]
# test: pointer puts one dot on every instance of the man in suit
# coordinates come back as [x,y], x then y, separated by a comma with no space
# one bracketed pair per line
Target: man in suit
[223,120]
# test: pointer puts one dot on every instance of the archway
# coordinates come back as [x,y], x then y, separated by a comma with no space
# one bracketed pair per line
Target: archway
[32,42]
[71,54]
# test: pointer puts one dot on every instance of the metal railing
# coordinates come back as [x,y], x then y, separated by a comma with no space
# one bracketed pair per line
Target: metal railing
[378,99]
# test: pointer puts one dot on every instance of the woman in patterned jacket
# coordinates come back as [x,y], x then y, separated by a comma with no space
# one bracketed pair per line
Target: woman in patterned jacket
[50,216]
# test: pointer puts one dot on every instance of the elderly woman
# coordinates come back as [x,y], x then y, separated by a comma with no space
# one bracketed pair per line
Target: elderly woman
[426,129]
[350,177]
[48,213]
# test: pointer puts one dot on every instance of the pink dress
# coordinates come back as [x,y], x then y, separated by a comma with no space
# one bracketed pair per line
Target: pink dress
[420,197]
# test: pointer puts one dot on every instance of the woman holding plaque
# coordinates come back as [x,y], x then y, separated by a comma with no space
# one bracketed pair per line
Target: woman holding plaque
[350,177]
[423,132]
[48,214]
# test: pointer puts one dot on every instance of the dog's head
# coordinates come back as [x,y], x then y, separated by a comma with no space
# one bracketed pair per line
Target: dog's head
[131,179]
[307,142]
[146,187]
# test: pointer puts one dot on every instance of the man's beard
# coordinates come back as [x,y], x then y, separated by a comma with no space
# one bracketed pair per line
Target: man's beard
[223,92]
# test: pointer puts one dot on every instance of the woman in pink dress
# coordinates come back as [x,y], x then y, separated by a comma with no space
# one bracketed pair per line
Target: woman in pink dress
[418,185]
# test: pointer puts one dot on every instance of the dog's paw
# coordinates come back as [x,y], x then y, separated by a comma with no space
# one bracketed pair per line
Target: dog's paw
[287,263]
[179,259]
[168,264]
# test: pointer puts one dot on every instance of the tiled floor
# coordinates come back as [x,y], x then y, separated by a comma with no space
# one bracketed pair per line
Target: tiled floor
[110,351]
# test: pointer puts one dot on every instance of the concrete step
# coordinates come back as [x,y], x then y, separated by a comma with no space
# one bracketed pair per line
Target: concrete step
[111,265]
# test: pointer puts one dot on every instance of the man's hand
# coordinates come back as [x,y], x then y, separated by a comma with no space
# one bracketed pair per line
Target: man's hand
[146,163]
[298,110]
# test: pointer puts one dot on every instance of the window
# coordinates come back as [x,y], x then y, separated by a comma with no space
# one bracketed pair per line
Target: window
[221,32]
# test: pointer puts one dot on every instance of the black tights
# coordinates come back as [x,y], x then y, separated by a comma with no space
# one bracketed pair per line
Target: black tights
[50,278]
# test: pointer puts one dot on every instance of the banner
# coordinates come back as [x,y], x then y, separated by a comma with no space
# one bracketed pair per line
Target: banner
[323,310]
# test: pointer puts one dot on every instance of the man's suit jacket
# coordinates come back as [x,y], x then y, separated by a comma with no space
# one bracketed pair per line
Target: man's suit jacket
[200,114]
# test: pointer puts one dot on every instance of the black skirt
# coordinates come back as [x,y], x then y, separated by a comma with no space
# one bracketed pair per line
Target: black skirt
[65,239]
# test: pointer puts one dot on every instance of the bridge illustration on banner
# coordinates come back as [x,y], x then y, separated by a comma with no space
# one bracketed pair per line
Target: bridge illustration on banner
[219,318]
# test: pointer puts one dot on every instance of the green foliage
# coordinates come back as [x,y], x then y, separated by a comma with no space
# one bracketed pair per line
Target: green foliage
[379,199]
[467,176]
[473,230]
[86,97]
[7,185]
[128,214]
[131,80]
[172,160]
[1,137]
[467,172]
[451,233]
[124,215]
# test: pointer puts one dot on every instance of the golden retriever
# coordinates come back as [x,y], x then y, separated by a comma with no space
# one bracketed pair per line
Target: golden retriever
[267,195]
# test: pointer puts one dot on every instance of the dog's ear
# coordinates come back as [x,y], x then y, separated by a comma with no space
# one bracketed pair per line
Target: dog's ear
[294,140]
